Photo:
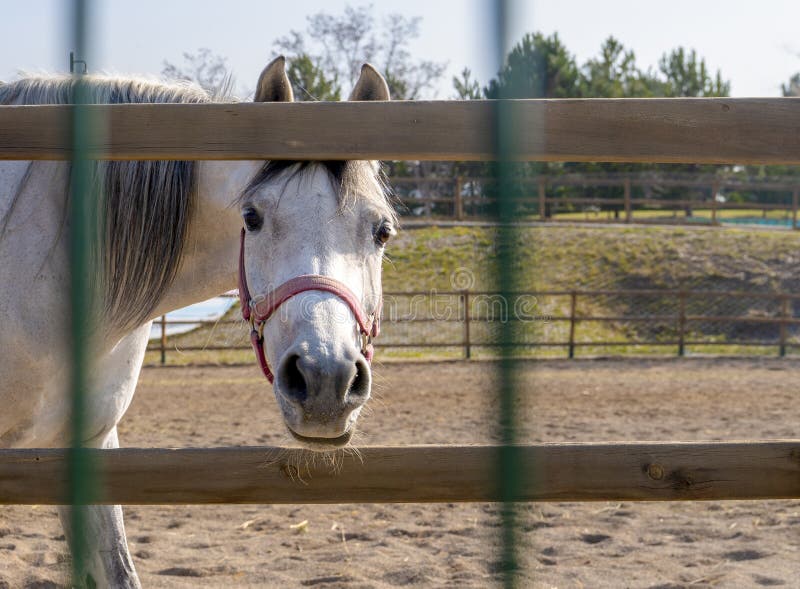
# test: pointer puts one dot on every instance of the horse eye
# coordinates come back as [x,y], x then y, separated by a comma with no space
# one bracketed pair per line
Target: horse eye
[383,233]
[252,220]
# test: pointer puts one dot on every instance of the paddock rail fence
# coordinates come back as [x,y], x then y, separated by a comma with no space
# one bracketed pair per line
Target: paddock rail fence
[742,131]
[624,198]
[642,321]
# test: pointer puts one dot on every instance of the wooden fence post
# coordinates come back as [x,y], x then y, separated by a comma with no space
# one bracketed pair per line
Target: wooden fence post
[627,196]
[714,190]
[681,322]
[467,342]
[795,195]
[572,306]
[163,339]
[785,314]
[542,199]
[459,202]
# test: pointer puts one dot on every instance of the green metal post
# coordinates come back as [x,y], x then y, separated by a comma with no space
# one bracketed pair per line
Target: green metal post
[508,459]
[82,230]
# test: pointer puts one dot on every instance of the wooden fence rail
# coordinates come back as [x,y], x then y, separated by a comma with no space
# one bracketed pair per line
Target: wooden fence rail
[782,319]
[634,471]
[673,130]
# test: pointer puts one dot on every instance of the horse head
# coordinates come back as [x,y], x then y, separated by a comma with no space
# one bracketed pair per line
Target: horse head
[312,244]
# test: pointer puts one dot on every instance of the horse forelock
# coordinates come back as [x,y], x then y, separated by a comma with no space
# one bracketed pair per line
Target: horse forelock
[353,180]
[146,205]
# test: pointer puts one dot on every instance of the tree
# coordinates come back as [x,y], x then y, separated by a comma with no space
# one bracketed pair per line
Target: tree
[339,44]
[686,75]
[793,87]
[205,68]
[542,67]
[536,67]
[614,74]
[309,81]
[466,87]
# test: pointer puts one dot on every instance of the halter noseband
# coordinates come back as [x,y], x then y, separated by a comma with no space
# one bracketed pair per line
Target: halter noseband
[257,312]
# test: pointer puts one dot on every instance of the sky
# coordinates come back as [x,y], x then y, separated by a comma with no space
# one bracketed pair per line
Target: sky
[755,44]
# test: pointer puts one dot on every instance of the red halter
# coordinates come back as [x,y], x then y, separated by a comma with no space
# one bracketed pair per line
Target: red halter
[257,312]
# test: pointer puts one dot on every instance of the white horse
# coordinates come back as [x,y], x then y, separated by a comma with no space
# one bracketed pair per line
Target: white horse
[172,233]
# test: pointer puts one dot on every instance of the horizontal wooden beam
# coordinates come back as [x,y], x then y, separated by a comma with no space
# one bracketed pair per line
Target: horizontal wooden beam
[699,130]
[551,472]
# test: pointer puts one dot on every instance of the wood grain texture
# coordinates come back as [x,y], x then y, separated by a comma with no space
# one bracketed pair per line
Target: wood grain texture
[552,472]
[700,130]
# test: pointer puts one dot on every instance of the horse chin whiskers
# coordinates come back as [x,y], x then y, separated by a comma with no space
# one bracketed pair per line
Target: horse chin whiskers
[304,462]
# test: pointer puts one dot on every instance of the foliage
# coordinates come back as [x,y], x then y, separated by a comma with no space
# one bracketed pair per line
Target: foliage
[542,67]
[792,88]
[309,81]
[466,87]
[536,67]
[339,44]
[685,75]
[613,74]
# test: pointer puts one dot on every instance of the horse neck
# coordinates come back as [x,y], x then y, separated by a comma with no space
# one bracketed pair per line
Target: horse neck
[209,266]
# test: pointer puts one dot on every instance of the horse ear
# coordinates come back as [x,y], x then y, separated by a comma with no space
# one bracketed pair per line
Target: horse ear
[370,85]
[273,83]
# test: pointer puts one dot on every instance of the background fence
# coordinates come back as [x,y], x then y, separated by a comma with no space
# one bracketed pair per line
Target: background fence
[560,323]
[629,198]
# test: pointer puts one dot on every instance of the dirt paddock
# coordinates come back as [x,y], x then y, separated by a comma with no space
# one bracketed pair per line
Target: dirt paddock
[664,545]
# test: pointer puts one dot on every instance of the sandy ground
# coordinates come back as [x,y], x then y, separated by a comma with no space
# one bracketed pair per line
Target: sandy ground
[652,545]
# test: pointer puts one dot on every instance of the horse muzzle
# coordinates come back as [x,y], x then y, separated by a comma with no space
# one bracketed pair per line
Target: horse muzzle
[321,396]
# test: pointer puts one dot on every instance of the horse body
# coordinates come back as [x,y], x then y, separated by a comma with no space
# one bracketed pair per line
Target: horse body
[34,367]
[298,222]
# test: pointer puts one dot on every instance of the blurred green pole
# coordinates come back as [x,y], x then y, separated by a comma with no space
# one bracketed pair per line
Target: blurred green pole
[82,228]
[506,271]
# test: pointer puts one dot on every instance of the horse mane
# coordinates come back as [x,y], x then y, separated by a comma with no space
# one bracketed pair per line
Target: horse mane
[145,206]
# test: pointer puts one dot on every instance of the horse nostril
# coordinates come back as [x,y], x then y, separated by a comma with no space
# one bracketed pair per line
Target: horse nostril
[294,383]
[360,385]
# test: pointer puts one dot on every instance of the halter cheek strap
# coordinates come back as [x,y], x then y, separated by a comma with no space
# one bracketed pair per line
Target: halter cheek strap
[257,312]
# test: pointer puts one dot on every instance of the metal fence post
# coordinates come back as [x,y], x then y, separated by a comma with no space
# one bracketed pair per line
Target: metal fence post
[163,339]
[467,343]
[572,307]
[81,215]
[681,322]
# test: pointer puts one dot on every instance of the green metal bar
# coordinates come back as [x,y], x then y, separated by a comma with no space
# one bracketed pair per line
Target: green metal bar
[81,232]
[509,462]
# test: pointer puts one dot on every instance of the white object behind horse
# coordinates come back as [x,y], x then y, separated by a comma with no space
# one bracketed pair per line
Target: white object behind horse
[171,239]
